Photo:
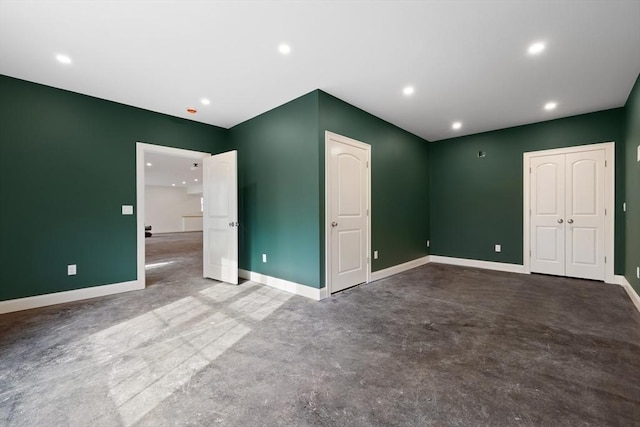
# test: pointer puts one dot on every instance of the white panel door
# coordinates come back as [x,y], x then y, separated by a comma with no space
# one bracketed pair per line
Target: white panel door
[567,202]
[547,214]
[585,214]
[348,195]
[220,217]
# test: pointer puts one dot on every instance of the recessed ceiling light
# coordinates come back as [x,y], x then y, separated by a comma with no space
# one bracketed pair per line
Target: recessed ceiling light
[284,49]
[205,101]
[550,105]
[456,125]
[149,164]
[173,185]
[536,48]
[408,90]
[63,59]
[184,182]
[195,180]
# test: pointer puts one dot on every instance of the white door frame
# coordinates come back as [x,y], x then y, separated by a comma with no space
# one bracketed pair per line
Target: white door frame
[141,149]
[609,202]
[327,203]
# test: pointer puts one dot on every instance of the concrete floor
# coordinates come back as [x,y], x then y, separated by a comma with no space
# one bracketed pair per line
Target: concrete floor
[437,345]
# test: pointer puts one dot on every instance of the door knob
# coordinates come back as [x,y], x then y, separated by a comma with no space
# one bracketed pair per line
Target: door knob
[334,224]
[570,221]
[560,221]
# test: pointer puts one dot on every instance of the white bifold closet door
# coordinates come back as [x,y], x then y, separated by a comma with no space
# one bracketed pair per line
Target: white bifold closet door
[568,214]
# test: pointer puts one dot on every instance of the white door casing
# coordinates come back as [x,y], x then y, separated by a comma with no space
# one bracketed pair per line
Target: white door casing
[220,217]
[569,211]
[348,206]
[141,149]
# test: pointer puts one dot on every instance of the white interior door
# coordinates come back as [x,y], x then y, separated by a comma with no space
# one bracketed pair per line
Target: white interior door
[585,206]
[567,222]
[348,212]
[547,215]
[220,217]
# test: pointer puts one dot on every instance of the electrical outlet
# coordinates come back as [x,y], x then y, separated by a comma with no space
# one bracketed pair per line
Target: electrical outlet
[264,257]
[498,248]
[71,270]
[427,243]
[375,254]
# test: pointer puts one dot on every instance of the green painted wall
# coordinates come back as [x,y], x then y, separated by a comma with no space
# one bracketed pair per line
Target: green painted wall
[67,164]
[278,191]
[477,202]
[399,181]
[632,189]
[281,180]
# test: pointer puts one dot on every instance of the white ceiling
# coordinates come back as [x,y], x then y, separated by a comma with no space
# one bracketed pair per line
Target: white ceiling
[467,60]
[168,170]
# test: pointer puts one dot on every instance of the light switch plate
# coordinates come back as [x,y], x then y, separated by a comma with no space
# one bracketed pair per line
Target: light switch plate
[375,254]
[498,248]
[127,210]
[264,257]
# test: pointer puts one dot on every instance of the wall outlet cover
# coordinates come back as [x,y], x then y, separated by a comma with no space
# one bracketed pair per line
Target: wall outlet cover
[498,248]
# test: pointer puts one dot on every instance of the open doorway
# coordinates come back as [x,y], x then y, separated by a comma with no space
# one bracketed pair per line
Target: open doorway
[169,199]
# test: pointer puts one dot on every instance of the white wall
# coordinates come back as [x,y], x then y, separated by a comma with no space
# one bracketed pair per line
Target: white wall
[165,208]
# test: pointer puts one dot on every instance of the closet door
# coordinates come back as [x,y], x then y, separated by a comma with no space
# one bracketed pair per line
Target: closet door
[547,215]
[567,201]
[584,207]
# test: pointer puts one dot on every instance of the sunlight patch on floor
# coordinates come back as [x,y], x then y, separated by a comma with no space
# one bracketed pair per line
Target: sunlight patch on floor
[155,354]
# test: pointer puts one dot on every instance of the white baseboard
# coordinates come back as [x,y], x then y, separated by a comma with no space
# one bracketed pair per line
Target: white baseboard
[635,298]
[488,265]
[284,285]
[67,296]
[381,274]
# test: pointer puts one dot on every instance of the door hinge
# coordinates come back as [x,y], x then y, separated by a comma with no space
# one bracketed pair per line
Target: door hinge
[605,163]
[529,170]
[605,211]
[605,260]
[368,260]
[529,211]
[367,212]
[367,164]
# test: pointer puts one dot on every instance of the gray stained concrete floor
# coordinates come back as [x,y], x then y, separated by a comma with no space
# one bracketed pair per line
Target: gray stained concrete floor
[437,345]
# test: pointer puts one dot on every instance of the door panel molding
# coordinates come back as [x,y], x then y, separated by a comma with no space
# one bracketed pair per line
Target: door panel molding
[609,200]
[348,208]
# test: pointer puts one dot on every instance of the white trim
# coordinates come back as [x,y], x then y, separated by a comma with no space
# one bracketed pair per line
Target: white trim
[327,205]
[141,149]
[399,268]
[488,265]
[284,285]
[27,303]
[635,298]
[609,201]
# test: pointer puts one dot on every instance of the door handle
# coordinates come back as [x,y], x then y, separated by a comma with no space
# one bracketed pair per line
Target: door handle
[560,221]
[570,221]
[234,224]
[334,224]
